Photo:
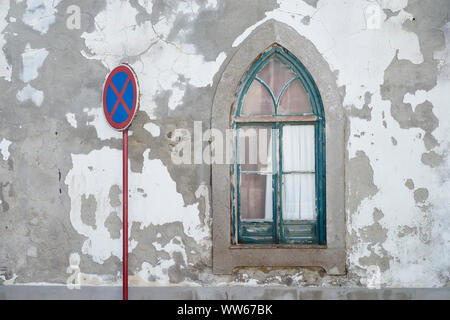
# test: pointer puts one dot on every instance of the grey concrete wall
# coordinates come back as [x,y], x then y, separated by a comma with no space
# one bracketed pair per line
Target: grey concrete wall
[220,293]
[60,163]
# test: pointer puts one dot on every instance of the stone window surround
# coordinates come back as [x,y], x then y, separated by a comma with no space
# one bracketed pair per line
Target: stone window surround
[227,256]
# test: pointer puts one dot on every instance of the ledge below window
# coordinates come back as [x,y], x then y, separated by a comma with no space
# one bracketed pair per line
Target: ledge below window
[332,260]
[277,246]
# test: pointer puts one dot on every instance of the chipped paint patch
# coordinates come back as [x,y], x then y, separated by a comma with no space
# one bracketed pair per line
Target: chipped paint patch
[155,208]
[333,34]
[153,129]
[4,148]
[30,93]
[32,60]
[419,97]
[159,273]
[40,14]
[5,67]
[96,118]
[8,282]
[95,173]
[70,117]
[160,63]
[105,170]
[410,258]
[76,278]
[394,5]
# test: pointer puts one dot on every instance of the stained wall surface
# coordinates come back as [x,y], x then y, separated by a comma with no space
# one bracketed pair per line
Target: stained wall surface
[60,163]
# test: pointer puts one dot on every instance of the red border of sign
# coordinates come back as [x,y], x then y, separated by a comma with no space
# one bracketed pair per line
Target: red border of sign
[124,67]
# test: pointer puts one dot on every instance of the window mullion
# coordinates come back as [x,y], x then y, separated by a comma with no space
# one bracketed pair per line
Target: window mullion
[237,222]
[278,189]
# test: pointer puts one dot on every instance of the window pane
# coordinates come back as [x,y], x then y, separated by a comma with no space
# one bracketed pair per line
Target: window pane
[276,74]
[295,100]
[298,148]
[257,100]
[299,196]
[256,196]
[255,148]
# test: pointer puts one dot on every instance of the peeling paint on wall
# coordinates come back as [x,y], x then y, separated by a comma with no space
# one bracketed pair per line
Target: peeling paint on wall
[360,56]
[30,93]
[343,40]
[32,60]
[162,64]
[96,118]
[5,67]
[153,129]
[71,119]
[395,88]
[40,14]
[89,176]
[4,148]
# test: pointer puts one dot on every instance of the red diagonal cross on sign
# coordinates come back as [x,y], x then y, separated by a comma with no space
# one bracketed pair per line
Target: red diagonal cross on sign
[119,98]
[126,93]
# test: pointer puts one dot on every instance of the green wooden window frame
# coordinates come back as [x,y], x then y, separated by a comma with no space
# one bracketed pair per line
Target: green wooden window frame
[278,231]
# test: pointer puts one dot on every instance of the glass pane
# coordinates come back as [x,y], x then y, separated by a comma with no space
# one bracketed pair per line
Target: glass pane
[298,148]
[256,196]
[255,148]
[276,74]
[257,100]
[299,196]
[295,100]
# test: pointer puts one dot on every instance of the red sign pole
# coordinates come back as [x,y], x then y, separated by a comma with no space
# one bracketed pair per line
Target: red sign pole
[125,214]
[119,98]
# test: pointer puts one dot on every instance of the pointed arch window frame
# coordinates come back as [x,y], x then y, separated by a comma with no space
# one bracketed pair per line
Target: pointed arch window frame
[301,73]
[279,229]
[227,257]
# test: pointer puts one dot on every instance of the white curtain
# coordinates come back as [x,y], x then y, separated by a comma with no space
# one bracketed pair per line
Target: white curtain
[298,188]
[299,172]
[268,205]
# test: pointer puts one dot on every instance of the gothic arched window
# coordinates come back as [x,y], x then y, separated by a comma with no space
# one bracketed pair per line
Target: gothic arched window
[279,164]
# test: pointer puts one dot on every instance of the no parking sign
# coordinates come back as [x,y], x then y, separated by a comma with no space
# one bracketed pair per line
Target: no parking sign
[121,97]
[120,104]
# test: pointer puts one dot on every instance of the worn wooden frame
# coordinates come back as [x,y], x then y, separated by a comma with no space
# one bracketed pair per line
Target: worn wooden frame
[280,230]
[228,255]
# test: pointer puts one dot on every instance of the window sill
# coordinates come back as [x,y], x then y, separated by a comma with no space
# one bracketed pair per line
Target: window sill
[277,246]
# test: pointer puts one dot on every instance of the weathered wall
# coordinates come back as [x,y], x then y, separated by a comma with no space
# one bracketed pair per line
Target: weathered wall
[60,163]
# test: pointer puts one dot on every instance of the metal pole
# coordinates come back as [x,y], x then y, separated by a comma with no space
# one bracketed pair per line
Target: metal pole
[125,214]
